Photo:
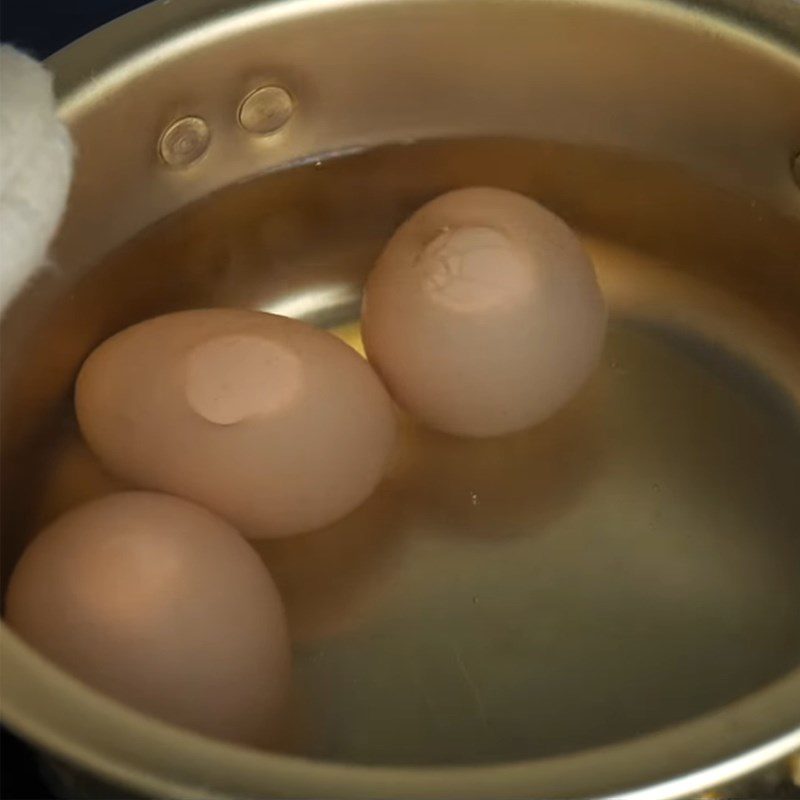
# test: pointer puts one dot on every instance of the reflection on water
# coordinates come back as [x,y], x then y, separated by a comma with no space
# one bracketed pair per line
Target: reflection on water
[501,487]
[73,475]
[330,577]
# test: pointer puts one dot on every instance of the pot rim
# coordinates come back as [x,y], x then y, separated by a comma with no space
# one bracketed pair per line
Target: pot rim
[40,700]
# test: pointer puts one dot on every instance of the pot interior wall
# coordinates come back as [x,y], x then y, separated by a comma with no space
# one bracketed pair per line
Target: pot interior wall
[631,564]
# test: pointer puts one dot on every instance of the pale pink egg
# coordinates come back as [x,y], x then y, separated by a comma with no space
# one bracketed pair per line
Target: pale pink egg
[275,425]
[162,605]
[483,314]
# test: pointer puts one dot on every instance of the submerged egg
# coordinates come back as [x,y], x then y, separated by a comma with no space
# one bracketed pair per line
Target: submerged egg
[273,424]
[162,605]
[483,314]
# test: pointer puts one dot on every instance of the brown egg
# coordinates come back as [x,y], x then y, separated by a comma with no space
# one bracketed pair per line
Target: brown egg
[273,424]
[162,605]
[483,313]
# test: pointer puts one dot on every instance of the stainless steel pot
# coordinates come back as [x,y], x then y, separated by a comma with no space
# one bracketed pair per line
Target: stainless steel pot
[605,607]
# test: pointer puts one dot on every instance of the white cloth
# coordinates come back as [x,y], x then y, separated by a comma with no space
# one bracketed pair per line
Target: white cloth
[35,169]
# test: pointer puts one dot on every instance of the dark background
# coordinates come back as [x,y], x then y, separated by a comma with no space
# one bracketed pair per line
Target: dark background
[40,27]
[20,777]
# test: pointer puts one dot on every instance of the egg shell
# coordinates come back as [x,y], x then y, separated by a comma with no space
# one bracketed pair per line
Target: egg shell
[275,425]
[483,314]
[162,605]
